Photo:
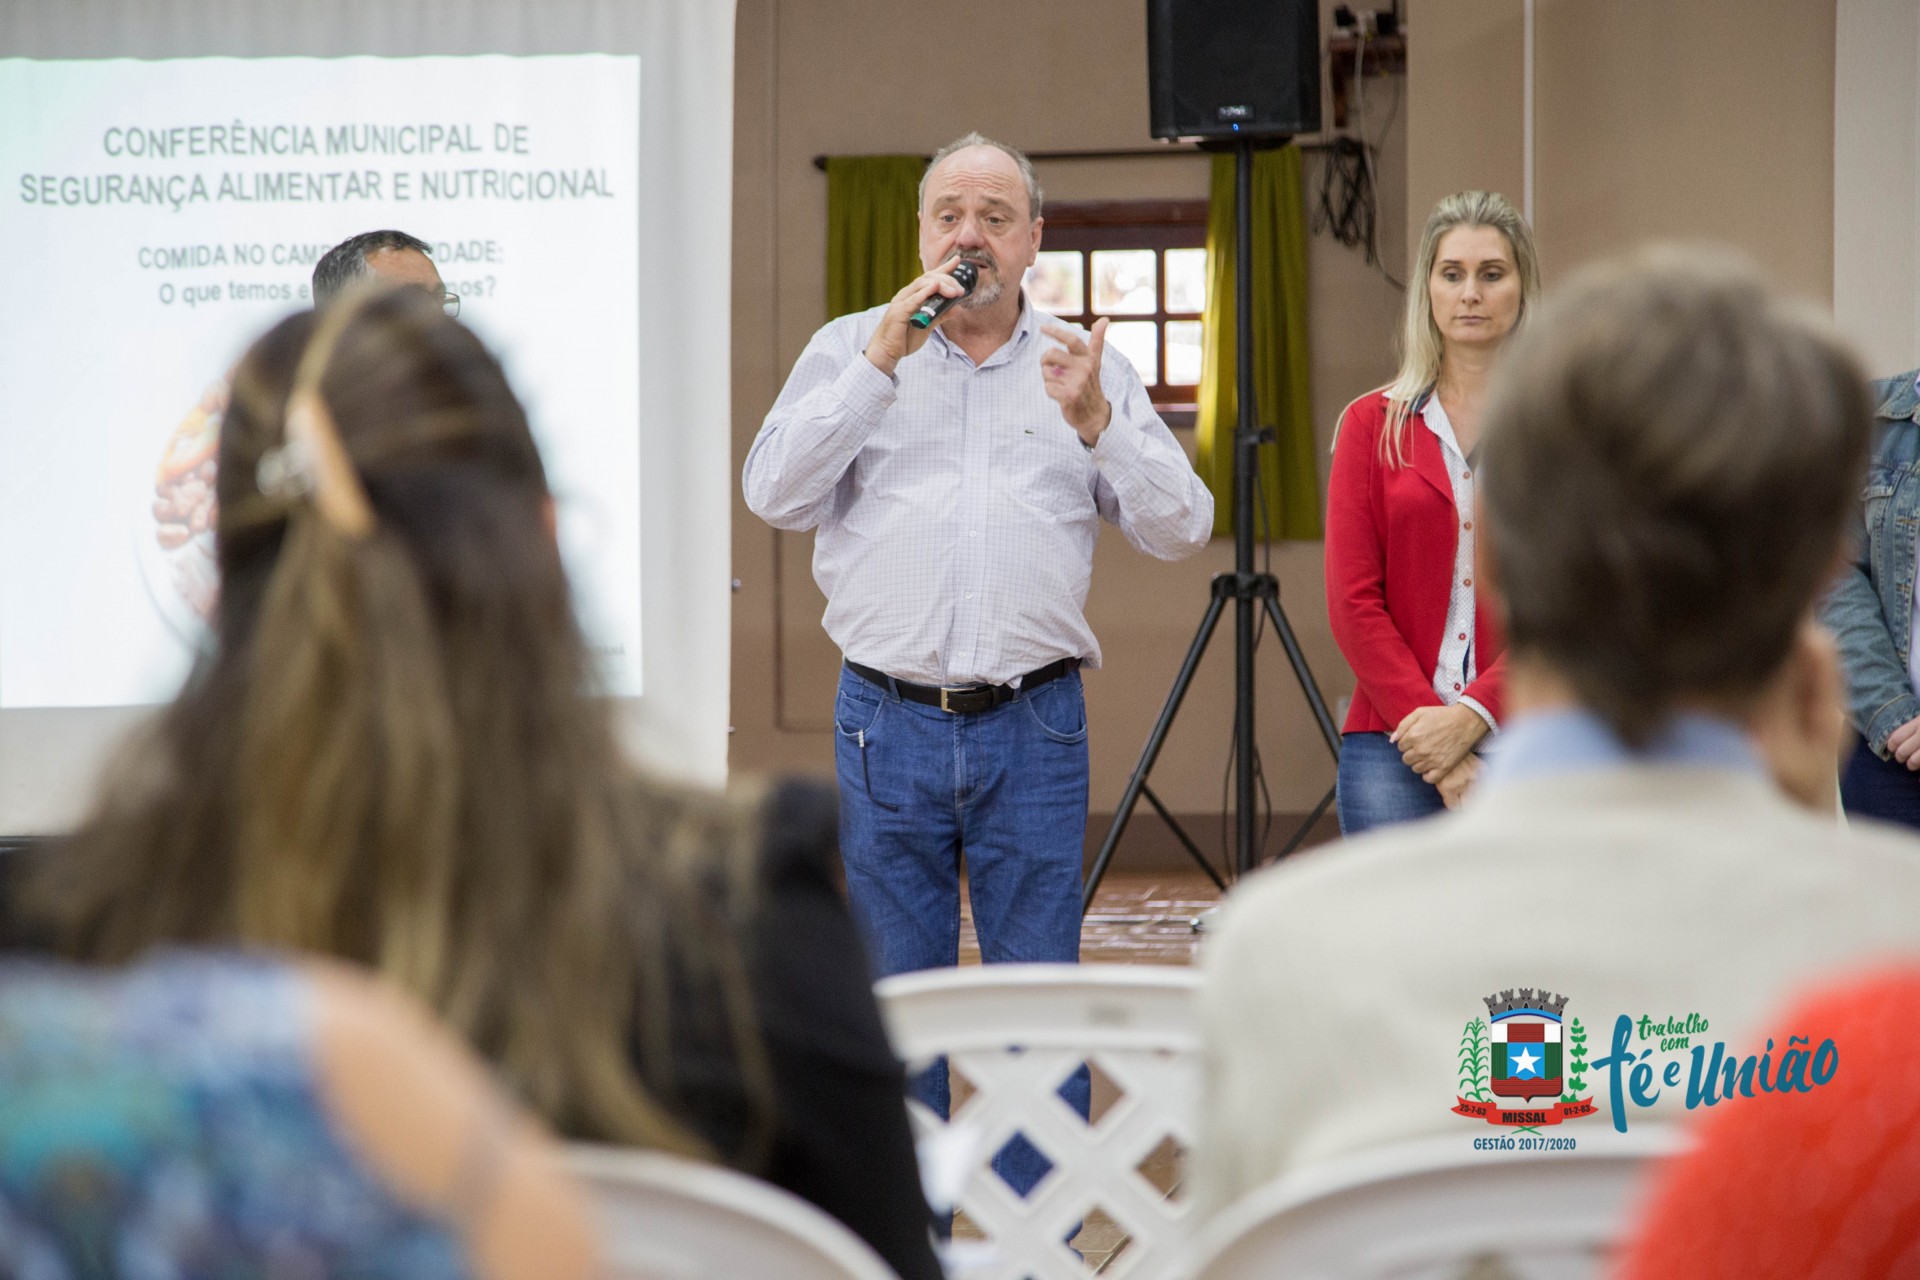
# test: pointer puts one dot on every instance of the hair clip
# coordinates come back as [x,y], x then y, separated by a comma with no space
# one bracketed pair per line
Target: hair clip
[311,461]
[285,471]
[323,464]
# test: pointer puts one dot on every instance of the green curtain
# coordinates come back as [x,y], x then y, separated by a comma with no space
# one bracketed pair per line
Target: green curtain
[1289,472]
[873,234]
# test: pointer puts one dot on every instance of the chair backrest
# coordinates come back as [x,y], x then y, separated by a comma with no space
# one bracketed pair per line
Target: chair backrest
[1439,1210]
[1015,1033]
[665,1218]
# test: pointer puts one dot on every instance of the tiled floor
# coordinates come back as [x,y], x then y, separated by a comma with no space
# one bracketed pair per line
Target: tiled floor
[1136,919]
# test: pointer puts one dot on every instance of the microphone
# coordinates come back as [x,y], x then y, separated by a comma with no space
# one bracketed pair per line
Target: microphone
[930,310]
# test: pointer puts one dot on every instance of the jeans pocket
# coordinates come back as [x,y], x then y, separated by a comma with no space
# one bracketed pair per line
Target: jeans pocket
[856,720]
[1059,711]
[854,716]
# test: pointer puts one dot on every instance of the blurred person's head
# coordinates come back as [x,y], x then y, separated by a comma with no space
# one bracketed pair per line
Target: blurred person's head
[1475,280]
[392,754]
[1818,1179]
[392,256]
[1671,453]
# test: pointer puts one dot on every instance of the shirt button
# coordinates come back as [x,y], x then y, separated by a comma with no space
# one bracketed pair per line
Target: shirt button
[1467,525]
[1466,582]
[973,533]
[1463,635]
[969,595]
[1466,475]
[1456,688]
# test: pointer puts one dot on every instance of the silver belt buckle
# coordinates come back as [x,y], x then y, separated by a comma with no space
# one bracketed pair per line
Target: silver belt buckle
[944,691]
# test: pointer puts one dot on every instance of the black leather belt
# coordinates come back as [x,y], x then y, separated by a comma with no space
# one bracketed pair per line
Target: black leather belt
[968,699]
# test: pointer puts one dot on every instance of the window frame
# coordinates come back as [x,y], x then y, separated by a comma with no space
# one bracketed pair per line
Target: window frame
[1088,226]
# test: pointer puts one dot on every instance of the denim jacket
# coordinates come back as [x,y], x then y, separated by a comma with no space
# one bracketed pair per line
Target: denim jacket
[1870,609]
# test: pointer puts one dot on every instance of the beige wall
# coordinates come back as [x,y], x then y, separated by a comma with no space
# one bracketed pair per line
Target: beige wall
[1876,180]
[854,76]
[1653,119]
[1710,118]
[1463,101]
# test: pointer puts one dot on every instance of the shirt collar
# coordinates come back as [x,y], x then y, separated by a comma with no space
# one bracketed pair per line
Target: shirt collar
[1024,327]
[1901,397]
[1549,743]
[1434,415]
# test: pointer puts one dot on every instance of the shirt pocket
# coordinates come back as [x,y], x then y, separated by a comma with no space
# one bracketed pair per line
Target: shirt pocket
[1050,472]
[1876,500]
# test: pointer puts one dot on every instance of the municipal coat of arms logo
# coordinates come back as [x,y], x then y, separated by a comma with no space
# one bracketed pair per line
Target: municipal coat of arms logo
[1524,1064]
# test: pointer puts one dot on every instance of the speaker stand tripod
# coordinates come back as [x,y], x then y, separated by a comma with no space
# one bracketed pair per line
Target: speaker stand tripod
[1250,592]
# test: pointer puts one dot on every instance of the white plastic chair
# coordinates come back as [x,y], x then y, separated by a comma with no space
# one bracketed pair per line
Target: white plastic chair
[665,1218]
[1438,1210]
[1015,1032]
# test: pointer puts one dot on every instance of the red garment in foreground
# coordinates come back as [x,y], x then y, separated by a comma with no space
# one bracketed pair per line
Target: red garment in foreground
[1391,537]
[1812,1186]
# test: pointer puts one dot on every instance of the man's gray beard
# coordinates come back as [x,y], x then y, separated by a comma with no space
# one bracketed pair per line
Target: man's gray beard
[984,295]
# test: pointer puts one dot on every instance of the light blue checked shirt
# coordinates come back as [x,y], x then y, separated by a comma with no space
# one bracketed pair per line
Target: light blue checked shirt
[956,508]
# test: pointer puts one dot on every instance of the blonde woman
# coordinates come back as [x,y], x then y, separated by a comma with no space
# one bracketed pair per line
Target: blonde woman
[389,756]
[1405,608]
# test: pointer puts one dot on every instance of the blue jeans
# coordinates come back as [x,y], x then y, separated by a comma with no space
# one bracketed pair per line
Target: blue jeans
[1882,789]
[1375,787]
[1006,788]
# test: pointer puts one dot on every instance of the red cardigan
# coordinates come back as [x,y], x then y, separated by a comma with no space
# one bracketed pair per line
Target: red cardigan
[1391,537]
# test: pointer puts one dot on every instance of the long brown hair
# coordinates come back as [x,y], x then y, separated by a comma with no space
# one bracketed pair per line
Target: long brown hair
[390,753]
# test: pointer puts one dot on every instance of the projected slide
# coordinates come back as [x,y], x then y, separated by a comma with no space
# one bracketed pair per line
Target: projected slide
[160,215]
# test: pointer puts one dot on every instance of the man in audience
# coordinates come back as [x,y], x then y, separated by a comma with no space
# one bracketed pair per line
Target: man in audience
[1671,456]
[390,255]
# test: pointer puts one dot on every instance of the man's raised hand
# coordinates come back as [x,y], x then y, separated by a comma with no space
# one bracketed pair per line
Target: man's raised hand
[894,340]
[1072,373]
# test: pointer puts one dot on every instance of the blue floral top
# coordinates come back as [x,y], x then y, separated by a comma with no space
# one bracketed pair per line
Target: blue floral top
[163,1123]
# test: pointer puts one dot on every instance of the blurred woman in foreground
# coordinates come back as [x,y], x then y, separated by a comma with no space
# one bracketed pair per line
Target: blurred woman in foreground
[208,1114]
[390,755]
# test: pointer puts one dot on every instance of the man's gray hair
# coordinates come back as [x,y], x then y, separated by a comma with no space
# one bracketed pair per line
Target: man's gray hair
[980,140]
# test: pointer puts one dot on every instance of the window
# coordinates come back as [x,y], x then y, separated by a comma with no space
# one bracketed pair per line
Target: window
[1142,264]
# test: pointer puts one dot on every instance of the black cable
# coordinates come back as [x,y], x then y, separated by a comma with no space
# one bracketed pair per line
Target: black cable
[1226,789]
[1346,223]
[1266,799]
[1266,516]
[1347,207]
[1260,630]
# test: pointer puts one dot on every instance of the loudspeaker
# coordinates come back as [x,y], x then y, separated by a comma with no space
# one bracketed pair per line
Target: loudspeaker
[1233,68]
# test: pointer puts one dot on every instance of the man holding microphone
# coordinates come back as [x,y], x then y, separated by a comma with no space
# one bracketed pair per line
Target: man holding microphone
[957,475]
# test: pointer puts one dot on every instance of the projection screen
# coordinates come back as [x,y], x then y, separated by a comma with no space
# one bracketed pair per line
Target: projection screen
[169,174]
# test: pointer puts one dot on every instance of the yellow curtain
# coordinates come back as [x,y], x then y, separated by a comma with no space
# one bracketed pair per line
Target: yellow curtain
[873,238]
[1289,472]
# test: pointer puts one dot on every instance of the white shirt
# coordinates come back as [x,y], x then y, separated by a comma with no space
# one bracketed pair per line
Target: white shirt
[1457,666]
[956,509]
